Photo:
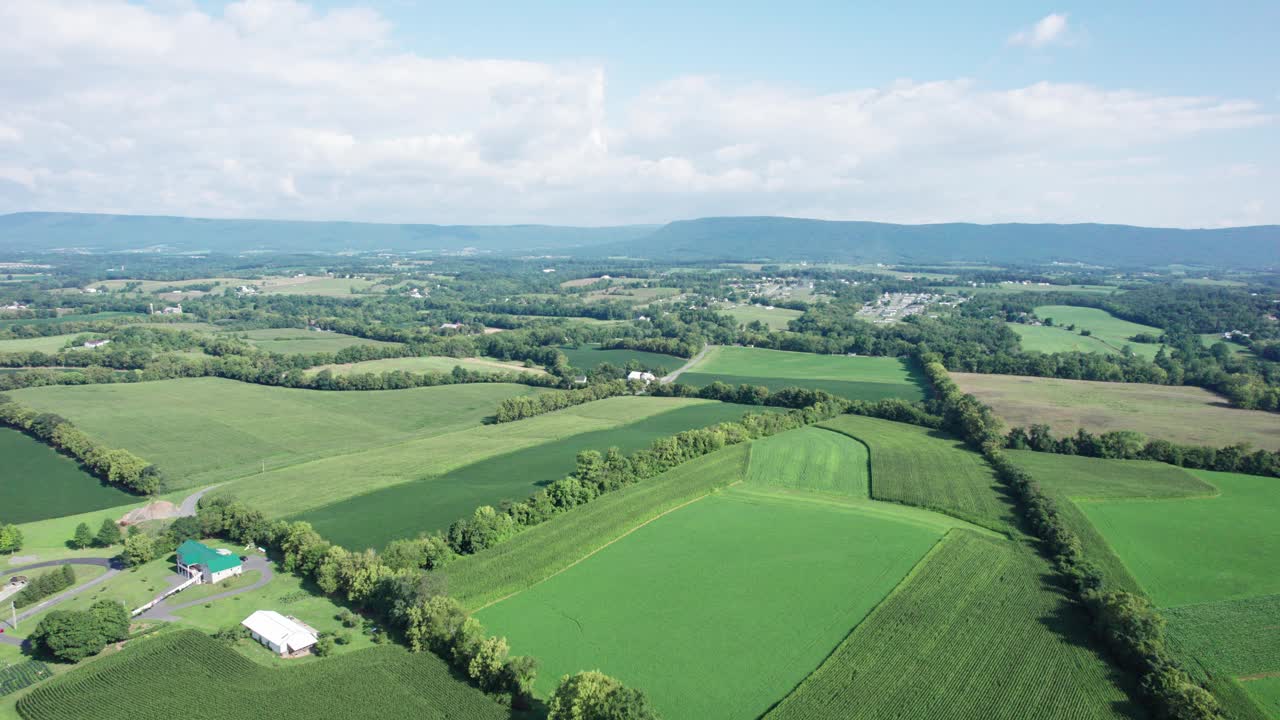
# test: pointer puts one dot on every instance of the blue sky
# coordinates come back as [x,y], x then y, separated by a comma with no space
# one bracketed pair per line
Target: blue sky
[599,113]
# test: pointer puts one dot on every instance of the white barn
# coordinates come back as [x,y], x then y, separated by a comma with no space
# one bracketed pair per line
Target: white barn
[283,634]
[646,377]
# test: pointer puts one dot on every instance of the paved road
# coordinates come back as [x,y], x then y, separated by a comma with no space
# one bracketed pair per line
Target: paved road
[189,503]
[683,368]
[163,610]
[113,569]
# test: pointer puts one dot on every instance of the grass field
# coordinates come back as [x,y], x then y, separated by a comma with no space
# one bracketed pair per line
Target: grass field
[1266,692]
[1086,478]
[38,483]
[971,634]
[775,319]
[812,459]
[1237,637]
[926,468]
[1041,338]
[1198,550]
[426,364]
[700,608]
[75,317]
[206,430]
[295,340]
[155,678]
[405,510]
[858,378]
[587,357]
[1105,328]
[1181,414]
[50,344]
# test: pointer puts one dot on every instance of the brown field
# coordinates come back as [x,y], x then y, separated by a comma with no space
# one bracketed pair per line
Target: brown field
[1189,415]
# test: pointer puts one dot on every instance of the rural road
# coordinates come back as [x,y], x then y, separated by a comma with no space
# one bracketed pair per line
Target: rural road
[692,361]
[113,569]
[161,611]
[189,503]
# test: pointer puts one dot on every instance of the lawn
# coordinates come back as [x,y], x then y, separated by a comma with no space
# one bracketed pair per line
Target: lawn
[813,459]
[700,607]
[1180,414]
[1198,550]
[206,430]
[973,633]
[140,682]
[50,344]
[426,364]
[37,483]
[929,469]
[588,357]
[856,378]
[775,319]
[1109,330]
[295,340]
[407,509]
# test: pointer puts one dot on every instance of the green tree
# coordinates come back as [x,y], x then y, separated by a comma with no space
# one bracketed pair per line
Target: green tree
[68,635]
[138,549]
[10,538]
[112,619]
[83,537]
[593,695]
[108,533]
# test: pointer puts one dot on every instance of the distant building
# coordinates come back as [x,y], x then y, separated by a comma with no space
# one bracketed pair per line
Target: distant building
[451,326]
[91,344]
[91,290]
[647,377]
[172,310]
[285,635]
[195,559]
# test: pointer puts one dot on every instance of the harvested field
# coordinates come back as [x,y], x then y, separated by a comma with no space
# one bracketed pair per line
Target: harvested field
[1180,414]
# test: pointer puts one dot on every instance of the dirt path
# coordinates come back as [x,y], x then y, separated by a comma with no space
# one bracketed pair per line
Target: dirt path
[688,365]
[165,510]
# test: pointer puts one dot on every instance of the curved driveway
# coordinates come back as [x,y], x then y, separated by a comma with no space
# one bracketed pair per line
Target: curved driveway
[162,611]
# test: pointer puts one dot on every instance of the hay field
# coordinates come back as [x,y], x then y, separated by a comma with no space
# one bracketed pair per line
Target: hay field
[297,340]
[857,378]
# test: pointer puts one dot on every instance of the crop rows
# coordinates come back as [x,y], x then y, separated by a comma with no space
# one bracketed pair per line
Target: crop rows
[810,459]
[189,675]
[23,674]
[1239,637]
[917,466]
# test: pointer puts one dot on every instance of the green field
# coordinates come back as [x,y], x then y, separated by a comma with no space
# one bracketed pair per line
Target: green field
[190,675]
[700,607]
[88,317]
[775,319]
[295,340]
[206,430]
[1181,414]
[50,344]
[426,364]
[36,482]
[1198,550]
[812,459]
[1236,637]
[856,378]
[972,633]
[407,509]
[1266,692]
[1086,478]
[588,357]
[1107,332]
[926,468]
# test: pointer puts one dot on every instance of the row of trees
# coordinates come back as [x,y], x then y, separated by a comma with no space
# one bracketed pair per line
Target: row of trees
[1128,624]
[685,348]
[1130,445]
[44,585]
[527,406]
[116,466]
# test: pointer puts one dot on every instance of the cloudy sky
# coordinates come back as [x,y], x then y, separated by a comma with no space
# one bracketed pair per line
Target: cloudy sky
[583,113]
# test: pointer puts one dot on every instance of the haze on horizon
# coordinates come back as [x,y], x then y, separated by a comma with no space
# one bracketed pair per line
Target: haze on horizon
[584,115]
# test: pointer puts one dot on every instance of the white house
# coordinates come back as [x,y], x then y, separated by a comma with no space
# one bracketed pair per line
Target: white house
[647,377]
[451,326]
[283,634]
[91,344]
[195,559]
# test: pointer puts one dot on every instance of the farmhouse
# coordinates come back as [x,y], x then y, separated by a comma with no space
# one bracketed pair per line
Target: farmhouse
[195,559]
[91,344]
[283,634]
[451,326]
[647,377]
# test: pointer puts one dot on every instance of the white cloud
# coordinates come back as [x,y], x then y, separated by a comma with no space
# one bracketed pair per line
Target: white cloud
[275,109]
[1048,30]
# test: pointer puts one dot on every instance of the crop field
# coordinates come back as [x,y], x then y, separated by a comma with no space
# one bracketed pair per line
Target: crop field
[1086,478]
[775,319]
[856,378]
[926,468]
[76,317]
[407,509]
[20,675]
[50,344]
[691,607]
[587,357]
[156,678]
[1181,414]
[1237,637]
[426,364]
[1045,339]
[971,634]
[1266,692]
[296,340]
[811,459]
[36,482]
[205,430]
[1198,550]
[1110,333]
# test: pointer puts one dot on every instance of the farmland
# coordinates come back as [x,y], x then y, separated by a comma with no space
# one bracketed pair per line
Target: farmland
[858,378]
[662,608]
[588,357]
[138,684]
[38,483]
[425,364]
[811,459]
[1086,478]
[904,660]
[404,510]
[1181,414]
[925,468]
[1237,637]
[774,319]
[49,344]
[295,340]
[1266,692]
[1108,333]
[205,430]
[1198,550]
[72,317]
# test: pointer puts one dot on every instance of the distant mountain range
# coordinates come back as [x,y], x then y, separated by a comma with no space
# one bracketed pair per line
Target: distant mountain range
[728,238]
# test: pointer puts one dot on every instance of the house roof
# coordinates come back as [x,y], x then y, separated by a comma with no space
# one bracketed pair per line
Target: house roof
[197,553]
[279,630]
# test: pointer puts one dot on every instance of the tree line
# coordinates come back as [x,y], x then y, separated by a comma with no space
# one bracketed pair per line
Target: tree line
[1130,627]
[114,465]
[1130,445]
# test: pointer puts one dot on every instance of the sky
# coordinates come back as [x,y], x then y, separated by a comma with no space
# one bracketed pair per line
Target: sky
[591,113]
